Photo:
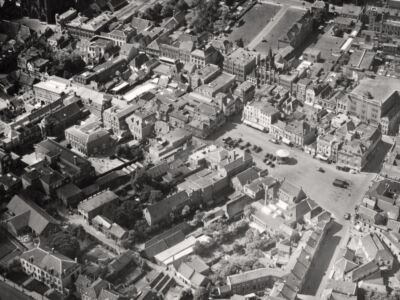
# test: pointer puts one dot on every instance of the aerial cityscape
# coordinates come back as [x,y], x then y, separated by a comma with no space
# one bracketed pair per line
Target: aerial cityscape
[199,149]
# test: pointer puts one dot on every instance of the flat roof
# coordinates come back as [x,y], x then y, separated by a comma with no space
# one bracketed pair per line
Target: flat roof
[379,88]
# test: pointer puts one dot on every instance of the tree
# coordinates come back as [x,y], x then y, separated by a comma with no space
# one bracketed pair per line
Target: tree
[182,5]
[241,227]
[127,213]
[248,211]
[65,243]
[239,43]
[14,265]
[168,10]
[201,294]
[238,248]
[198,217]
[79,232]
[186,294]
[185,210]
[129,241]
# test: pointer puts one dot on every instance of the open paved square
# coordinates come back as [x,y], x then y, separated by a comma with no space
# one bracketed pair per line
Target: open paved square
[303,171]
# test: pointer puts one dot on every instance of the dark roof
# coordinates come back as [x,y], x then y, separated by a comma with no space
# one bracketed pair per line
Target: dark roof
[47,260]
[69,190]
[51,148]
[122,261]
[364,270]
[36,218]
[246,176]
[167,239]
[162,209]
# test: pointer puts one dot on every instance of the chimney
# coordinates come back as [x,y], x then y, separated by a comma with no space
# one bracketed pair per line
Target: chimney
[52,250]
[75,160]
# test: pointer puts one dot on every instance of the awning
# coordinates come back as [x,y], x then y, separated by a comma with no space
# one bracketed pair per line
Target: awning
[321,157]
[255,125]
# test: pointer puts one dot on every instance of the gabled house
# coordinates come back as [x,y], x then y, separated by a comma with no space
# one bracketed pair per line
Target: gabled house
[290,193]
[53,269]
[27,214]
[161,211]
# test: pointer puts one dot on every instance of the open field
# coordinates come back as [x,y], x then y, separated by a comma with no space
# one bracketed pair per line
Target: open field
[254,21]
[278,28]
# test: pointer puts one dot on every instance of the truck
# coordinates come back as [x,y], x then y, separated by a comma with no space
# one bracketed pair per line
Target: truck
[340,183]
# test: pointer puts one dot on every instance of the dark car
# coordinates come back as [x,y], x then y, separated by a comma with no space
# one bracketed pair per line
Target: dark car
[321,170]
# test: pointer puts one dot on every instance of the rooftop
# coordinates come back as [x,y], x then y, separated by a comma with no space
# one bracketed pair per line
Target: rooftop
[98,200]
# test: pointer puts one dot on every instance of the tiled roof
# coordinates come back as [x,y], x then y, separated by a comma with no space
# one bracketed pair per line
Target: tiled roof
[162,209]
[98,200]
[49,261]
[37,219]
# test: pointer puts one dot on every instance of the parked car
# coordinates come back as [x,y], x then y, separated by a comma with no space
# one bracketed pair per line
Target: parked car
[321,170]
[275,141]
[347,216]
